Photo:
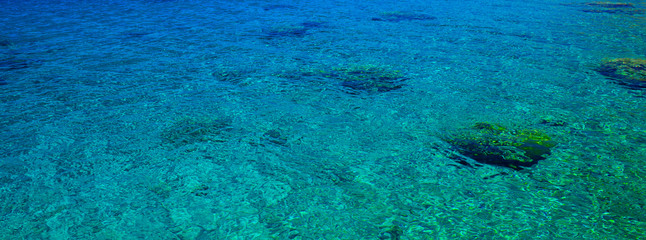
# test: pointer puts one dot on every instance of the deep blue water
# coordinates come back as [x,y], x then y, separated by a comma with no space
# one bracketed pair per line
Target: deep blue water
[198,119]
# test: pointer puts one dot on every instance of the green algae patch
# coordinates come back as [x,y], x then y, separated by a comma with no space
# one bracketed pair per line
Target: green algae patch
[495,144]
[630,72]
[495,128]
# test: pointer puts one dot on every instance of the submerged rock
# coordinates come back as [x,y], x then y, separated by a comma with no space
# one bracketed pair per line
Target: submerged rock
[284,31]
[630,72]
[368,78]
[612,7]
[610,4]
[496,145]
[352,79]
[275,136]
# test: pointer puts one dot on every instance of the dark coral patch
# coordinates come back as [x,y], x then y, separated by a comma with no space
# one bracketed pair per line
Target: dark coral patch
[629,72]
[496,145]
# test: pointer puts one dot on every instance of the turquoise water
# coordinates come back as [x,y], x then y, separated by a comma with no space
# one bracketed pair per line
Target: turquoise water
[197,119]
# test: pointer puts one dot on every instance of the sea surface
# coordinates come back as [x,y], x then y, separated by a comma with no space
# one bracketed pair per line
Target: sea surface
[340,119]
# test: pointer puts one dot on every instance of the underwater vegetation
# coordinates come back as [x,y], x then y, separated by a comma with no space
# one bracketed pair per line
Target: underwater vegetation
[629,72]
[494,144]
[553,122]
[402,16]
[190,130]
[367,78]
[611,7]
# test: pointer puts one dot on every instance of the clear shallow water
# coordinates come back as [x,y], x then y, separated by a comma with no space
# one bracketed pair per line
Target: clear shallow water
[229,120]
